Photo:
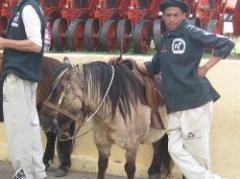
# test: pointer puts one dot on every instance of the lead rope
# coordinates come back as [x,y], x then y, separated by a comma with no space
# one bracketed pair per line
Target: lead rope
[105,95]
[121,49]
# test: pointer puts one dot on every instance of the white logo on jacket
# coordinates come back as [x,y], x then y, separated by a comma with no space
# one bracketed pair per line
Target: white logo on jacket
[178,46]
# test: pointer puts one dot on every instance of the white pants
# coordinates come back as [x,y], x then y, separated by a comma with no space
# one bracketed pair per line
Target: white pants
[189,133]
[22,126]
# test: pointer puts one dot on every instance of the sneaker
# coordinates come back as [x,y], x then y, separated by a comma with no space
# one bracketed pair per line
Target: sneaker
[20,175]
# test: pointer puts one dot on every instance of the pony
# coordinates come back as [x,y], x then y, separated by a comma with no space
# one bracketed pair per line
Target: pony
[113,98]
[50,66]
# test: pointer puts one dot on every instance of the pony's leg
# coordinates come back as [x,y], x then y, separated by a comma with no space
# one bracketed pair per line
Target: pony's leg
[65,150]
[104,153]
[49,150]
[161,163]
[130,165]
[154,169]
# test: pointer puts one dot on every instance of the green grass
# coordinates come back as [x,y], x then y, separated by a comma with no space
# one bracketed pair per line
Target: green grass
[234,55]
[236,51]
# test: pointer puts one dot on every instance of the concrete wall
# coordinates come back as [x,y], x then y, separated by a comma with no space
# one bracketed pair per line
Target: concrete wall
[225,137]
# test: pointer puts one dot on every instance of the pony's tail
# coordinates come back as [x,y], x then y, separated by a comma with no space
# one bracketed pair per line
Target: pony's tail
[162,163]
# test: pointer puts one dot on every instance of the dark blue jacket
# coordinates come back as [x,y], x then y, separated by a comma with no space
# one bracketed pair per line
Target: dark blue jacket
[26,65]
[178,57]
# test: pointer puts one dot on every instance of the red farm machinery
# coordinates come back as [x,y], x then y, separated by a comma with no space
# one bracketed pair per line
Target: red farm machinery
[68,29]
[6,7]
[107,25]
[51,10]
[236,19]
[100,31]
[136,29]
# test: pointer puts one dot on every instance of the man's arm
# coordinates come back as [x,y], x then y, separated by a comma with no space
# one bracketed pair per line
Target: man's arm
[152,67]
[221,46]
[32,25]
[21,45]
[202,71]
[142,67]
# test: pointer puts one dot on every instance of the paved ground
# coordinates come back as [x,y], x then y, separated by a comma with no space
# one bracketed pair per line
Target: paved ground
[6,172]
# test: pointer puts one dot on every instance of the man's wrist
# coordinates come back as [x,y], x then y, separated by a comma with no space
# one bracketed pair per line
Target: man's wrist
[142,68]
[206,67]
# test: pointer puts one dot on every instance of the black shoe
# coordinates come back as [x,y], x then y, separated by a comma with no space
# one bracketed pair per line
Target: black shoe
[20,175]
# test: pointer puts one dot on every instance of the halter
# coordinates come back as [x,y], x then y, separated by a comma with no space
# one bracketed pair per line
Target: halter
[58,110]
[56,107]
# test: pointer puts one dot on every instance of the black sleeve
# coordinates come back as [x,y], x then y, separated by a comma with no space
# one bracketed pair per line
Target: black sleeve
[153,67]
[222,46]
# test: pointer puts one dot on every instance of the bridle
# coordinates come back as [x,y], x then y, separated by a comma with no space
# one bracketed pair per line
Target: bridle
[58,110]
[57,107]
[74,117]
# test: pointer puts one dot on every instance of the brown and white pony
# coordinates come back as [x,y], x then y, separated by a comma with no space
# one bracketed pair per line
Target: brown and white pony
[50,69]
[114,99]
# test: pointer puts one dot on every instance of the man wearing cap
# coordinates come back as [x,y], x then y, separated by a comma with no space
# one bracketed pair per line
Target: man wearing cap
[187,92]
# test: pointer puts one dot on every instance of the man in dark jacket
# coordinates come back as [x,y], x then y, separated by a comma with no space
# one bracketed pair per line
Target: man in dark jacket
[22,59]
[188,94]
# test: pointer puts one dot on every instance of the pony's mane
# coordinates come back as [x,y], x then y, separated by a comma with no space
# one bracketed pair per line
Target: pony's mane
[125,91]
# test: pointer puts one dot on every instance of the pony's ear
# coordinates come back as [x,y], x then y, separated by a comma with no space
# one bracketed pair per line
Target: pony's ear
[66,60]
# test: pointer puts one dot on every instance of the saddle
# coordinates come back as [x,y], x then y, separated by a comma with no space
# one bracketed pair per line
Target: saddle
[153,94]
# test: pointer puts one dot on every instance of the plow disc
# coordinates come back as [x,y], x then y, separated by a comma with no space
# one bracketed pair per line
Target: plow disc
[3,25]
[124,37]
[76,34]
[107,36]
[91,34]
[142,36]
[50,22]
[59,30]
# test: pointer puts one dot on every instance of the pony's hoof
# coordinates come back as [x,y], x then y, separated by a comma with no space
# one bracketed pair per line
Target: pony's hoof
[60,173]
[154,176]
[47,166]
